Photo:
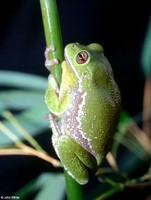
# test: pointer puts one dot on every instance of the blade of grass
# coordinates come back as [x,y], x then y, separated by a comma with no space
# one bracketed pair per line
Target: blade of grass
[46,187]
[31,119]
[146,67]
[9,116]
[27,150]
[21,99]
[9,134]
[22,80]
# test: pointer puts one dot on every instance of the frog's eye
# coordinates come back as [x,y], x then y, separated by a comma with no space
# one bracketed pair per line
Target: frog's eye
[81,57]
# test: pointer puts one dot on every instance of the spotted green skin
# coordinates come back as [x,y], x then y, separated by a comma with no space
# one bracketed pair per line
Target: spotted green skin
[83,111]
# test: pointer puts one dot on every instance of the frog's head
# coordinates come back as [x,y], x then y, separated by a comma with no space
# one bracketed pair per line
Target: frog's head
[83,59]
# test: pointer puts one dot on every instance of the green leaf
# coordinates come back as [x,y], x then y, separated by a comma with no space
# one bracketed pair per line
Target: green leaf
[52,186]
[21,99]
[29,98]
[146,51]
[32,120]
[47,186]
[22,80]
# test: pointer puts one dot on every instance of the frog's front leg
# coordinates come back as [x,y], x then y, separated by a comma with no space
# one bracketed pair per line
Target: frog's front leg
[54,61]
[55,101]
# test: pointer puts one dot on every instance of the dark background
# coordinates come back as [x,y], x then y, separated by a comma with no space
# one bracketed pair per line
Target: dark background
[118,26]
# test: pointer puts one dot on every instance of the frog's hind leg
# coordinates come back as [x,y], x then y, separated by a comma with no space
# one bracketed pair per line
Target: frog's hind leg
[78,162]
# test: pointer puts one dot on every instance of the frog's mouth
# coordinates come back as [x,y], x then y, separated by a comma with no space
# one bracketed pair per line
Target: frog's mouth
[67,62]
[69,66]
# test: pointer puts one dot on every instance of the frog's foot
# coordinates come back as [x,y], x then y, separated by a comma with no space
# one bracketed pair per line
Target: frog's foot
[46,116]
[54,61]
[55,124]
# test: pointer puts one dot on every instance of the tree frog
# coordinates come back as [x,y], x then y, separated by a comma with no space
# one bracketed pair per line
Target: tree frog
[84,109]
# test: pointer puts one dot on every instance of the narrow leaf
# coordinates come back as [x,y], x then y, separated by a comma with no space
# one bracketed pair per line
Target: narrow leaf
[22,80]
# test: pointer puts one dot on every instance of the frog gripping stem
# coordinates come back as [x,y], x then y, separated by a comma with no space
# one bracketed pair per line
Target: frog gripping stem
[50,62]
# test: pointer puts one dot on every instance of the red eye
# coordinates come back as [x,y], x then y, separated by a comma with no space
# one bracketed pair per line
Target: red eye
[82,57]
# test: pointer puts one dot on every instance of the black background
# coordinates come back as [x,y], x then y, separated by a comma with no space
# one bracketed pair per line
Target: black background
[117,25]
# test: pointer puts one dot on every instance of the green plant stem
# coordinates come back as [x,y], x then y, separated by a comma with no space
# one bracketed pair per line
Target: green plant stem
[110,192]
[141,182]
[53,36]
[74,190]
